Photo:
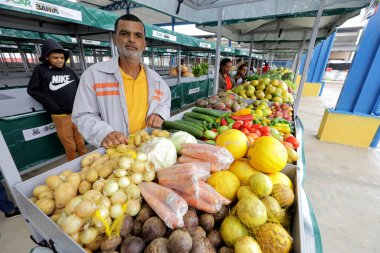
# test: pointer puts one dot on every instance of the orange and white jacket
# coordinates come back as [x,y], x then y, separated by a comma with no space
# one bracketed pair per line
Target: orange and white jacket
[100,105]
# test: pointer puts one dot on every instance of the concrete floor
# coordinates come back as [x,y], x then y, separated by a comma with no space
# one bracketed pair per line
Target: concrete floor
[342,183]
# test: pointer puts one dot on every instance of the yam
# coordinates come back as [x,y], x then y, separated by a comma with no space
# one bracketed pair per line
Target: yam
[84,186]
[180,241]
[127,227]
[206,221]
[191,221]
[153,228]
[40,189]
[144,214]
[111,243]
[46,195]
[215,238]
[53,181]
[132,244]
[158,245]
[63,194]
[202,245]
[46,205]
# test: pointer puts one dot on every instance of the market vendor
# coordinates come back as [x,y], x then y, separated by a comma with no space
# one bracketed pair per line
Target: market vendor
[121,96]
[226,81]
[241,72]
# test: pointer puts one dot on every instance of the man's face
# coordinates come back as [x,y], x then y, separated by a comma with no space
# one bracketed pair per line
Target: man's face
[56,60]
[227,67]
[130,39]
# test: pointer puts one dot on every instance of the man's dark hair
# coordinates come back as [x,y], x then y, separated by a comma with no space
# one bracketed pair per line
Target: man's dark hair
[129,17]
[224,61]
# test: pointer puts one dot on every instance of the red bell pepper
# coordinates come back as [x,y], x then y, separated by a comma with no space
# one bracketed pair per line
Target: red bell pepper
[293,140]
[214,130]
[242,117]
[247,124]
[267,134]
[237,124]
[245,131]
[223,122]
[257,126]
[257,132]
[265,129]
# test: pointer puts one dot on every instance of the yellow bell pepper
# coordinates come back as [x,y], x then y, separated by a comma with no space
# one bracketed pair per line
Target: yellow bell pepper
[244,111]
[282,128]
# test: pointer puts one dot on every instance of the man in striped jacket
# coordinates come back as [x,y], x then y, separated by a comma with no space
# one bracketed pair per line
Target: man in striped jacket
[121,96]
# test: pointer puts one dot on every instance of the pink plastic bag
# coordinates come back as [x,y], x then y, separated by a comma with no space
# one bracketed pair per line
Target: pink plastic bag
[186,159]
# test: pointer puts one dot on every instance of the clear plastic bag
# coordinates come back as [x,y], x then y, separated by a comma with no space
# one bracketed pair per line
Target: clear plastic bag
[166,203]
[186,159]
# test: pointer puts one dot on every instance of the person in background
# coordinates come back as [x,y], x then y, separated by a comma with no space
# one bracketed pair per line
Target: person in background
[54,85]
[226,82]
[121,96]
[241,73]
[266,68]
[7,207]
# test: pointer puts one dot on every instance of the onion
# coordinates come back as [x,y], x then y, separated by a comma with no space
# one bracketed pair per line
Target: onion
[88,235]
[125,162]
[61,218]
[139,167]
[85,208]
[120,172]
[137,178]
[98,185]
[116,211]
[92,195]
[104,211]
[72,224]
[70,207]
[123,182]
[133,191]
[110,188]
[142,157]
[133,207]
[119,197]
[104,201]
[149,176]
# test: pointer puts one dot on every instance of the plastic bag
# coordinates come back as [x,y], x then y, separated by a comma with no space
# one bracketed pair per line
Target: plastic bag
[218,156]
[184,177]
[186,159]
[161,152]
[166,203]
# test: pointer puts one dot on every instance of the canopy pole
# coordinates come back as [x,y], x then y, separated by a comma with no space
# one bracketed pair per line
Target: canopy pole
[218,44]
[4,64]
[94,55]
[294,65]
[179,65]
[113,47]
[82,59]
[209,65]
[250,54]
[151,55]
[38,49]
[300,52]
[24,60]
[309,54]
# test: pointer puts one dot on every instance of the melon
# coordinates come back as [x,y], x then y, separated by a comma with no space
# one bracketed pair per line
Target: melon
[242,169]
[283,194]
[234,141]
[251,211]
[261,184]
[281,178]
[226,183]
[273,238]
[232,230]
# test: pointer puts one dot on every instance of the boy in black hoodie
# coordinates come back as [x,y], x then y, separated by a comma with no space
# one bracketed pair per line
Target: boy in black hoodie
[54,85]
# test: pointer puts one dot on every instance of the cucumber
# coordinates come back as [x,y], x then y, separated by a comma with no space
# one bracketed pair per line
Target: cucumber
[179,126]
[200,116]
[208,112]
[188,123]
[196,121]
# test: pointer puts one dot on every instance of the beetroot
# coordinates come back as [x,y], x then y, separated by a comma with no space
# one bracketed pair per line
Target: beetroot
[227,101]
[219,106]
[212,100]
[202,103]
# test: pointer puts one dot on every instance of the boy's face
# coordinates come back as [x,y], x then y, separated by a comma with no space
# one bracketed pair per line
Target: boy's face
[56,60]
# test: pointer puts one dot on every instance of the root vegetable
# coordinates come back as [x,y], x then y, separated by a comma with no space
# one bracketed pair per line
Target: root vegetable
[87,250]
[111,243]
[199,233]
[123,182]
[92,175]
[46,195]
[221,214]
[137,228]
[215,239]
[153,228]
[55,217]
[202,245]
[88,235]
[61,219]
[225,250]
[149,175]
[95,244]
[133,207]
[85,208]
[104,201]
[105,171]
[66,173]
[71,224]
[74,179]
[110,188]
[125,162]
[132,244]
[137,178]
[119,197]
[191,221]
[145,214]
[158,245]
[180,241]
[98,185]
[40,189]
[63,194]
[33,199]
[46,205]
[127,227]
[53,181]
[139,166]
[83,173]
[72,204]
[90,158]
[133,191]
[120,173]
[84,186]
[116,211]
[206,221]
[75,237]
[93,195]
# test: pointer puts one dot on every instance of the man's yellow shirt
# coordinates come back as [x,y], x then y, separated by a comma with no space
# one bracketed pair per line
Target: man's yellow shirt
[136,95]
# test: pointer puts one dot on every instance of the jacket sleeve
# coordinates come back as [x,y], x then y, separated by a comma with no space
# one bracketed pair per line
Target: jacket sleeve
[163,109]
[86,115]
[35,91]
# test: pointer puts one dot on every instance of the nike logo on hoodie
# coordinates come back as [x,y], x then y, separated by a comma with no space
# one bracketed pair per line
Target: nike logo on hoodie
[58,82]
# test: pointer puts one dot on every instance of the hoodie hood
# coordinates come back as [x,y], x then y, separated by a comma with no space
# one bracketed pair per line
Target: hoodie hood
[49,46]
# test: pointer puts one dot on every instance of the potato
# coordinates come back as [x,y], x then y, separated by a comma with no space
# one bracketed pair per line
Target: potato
[75,237]
[153,228]
[225,250]
[63,194]
[202,245]
[87,250]
[74,179]
[206,221]
[127,227]
[137,228]
[219,216]
[92,175]
[199,233]
[84,186]
[72,224]
[40,189]
[53,182]
[55,217]
[95,244]
[46,195]
[66,173]
[180,241]
[158,245]
[100,161]
[215,238]
[110,243]
[83,173]
[72,204]
[46,205]
[98,185]
[89,159]
[93,195]
[144,214]
[105,171]
[132,244]
[85,208]
[88,235]
[137,140]
[33,199]
[191,221]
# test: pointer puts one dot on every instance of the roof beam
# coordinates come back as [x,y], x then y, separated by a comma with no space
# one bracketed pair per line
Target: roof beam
[120,5]
[217,4]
